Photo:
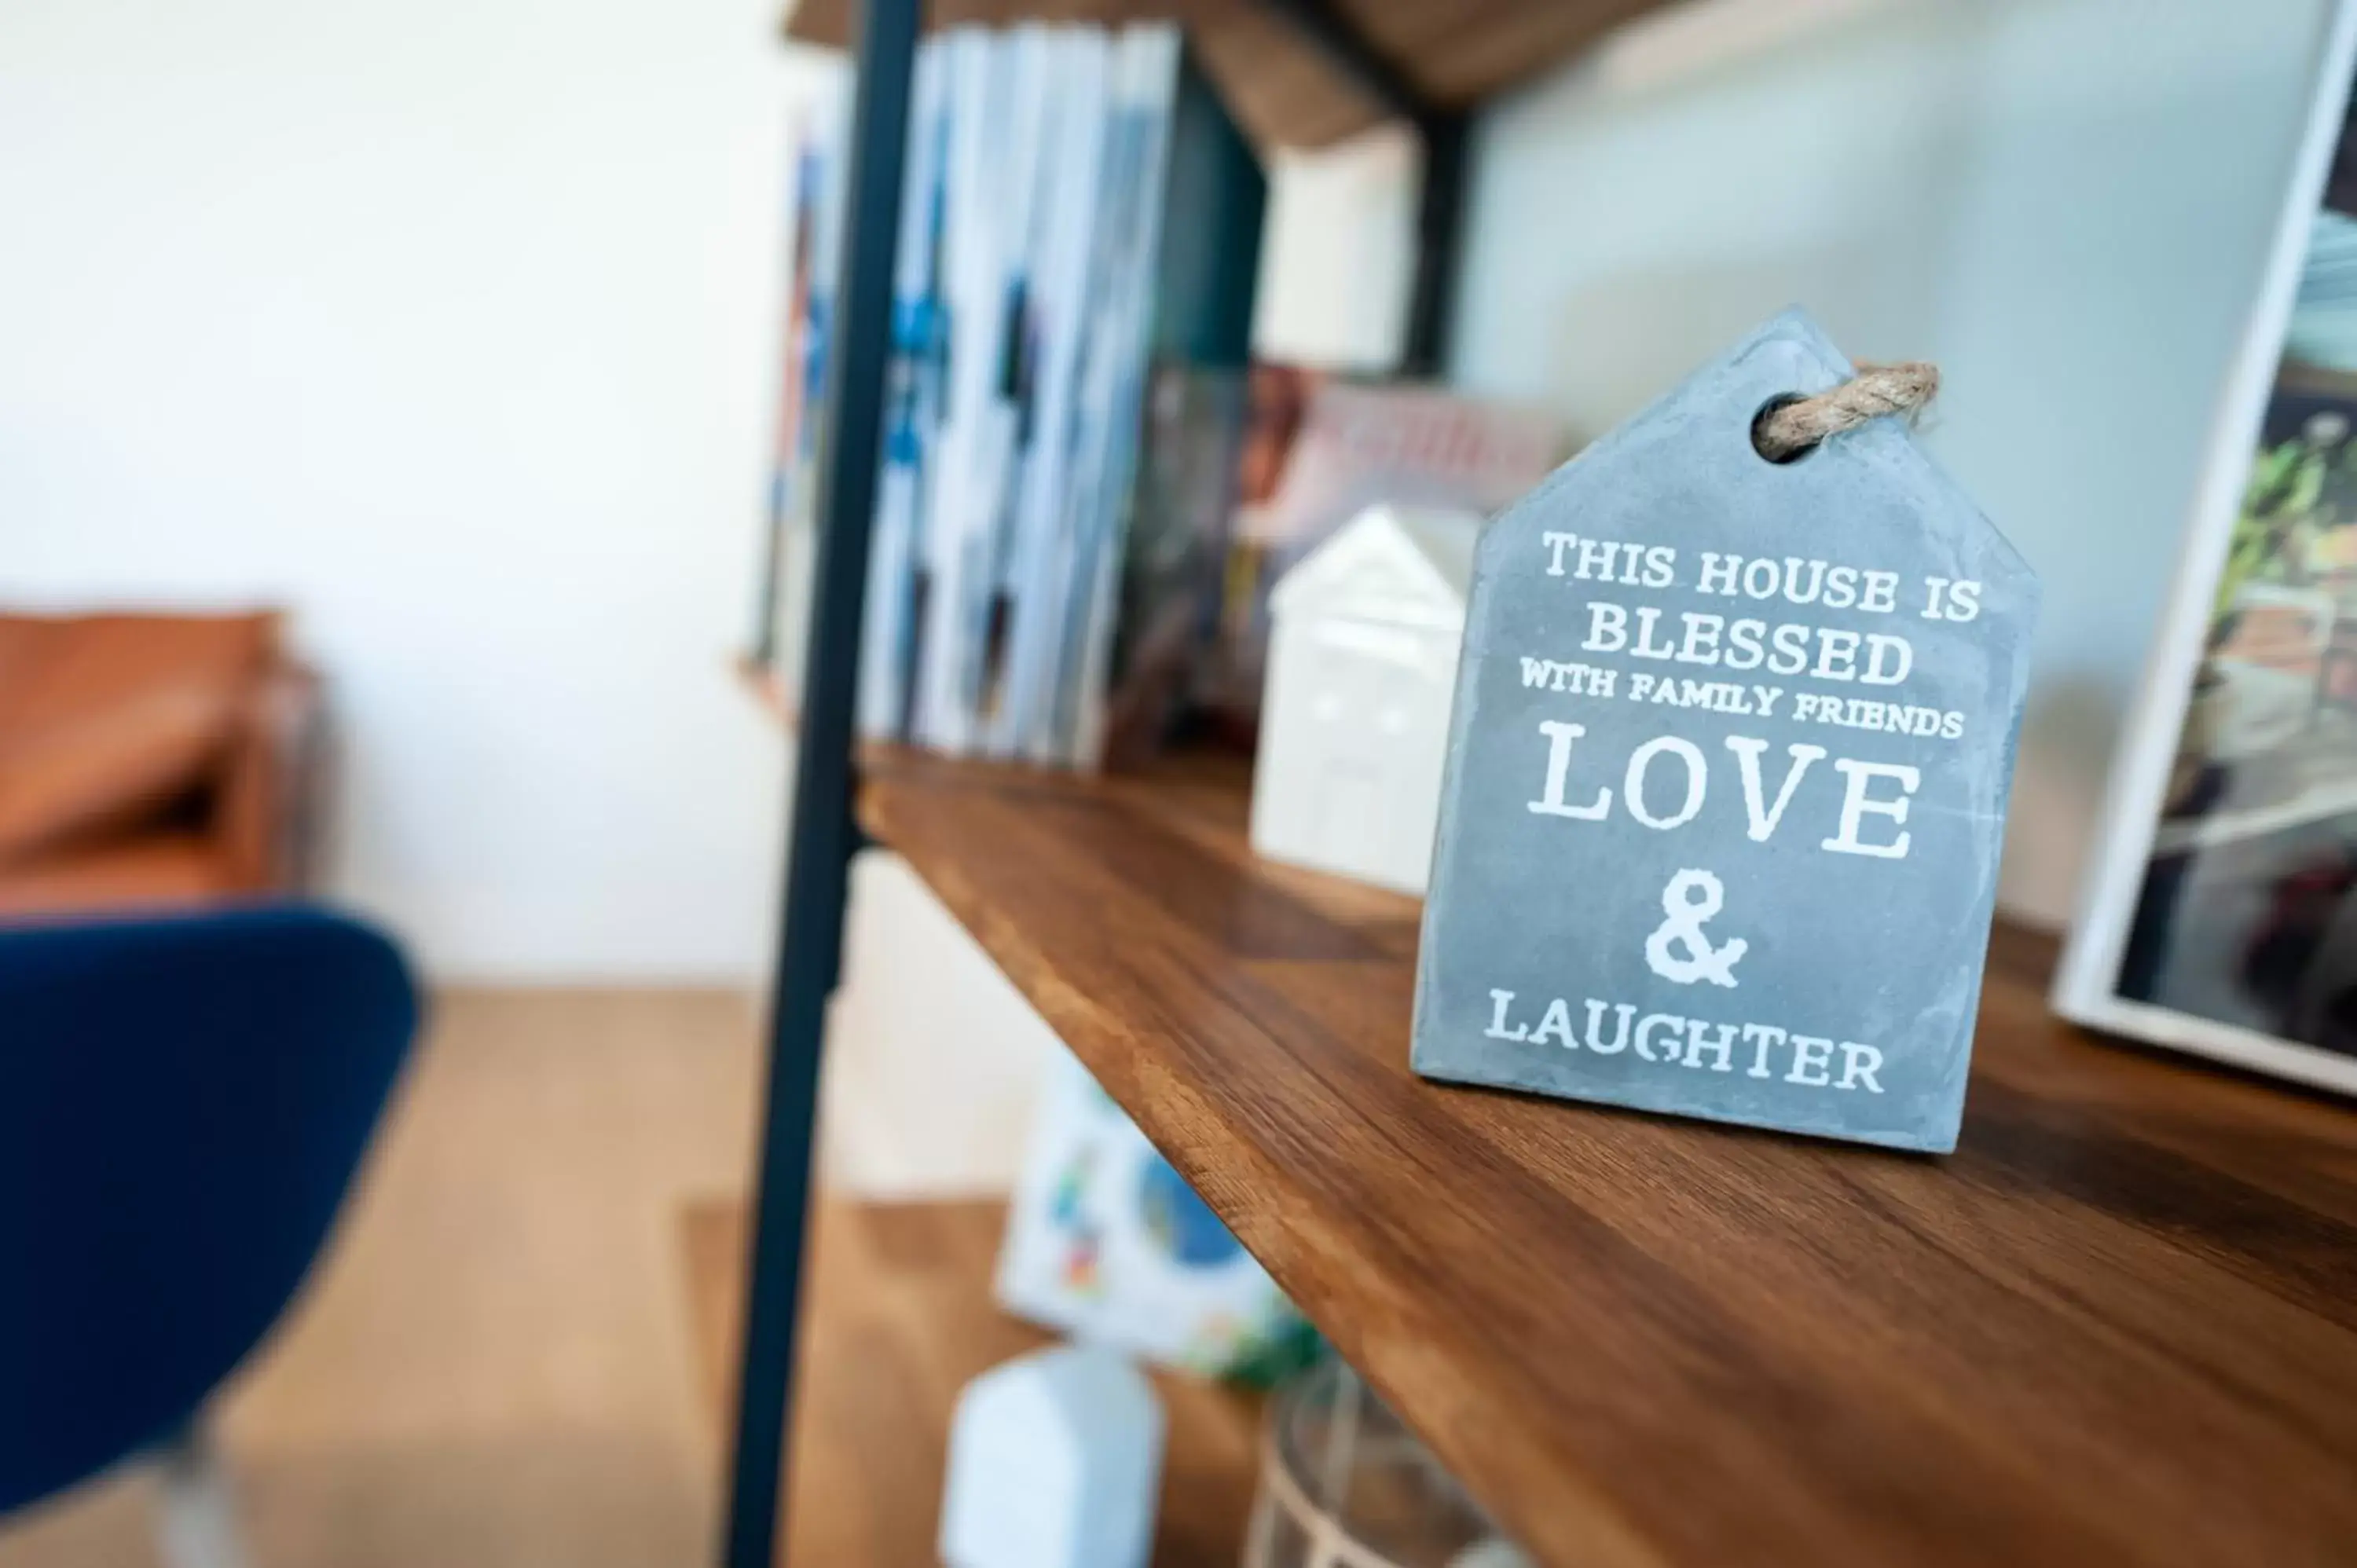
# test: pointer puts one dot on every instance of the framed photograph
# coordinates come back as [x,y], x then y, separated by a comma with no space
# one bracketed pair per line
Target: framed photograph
[2220,913]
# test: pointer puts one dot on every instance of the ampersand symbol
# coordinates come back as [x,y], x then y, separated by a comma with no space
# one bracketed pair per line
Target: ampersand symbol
[1691,899]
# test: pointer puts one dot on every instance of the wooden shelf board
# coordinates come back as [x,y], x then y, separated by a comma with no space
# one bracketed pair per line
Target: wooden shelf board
[899,1316]
[2118,1325]
[1281,86]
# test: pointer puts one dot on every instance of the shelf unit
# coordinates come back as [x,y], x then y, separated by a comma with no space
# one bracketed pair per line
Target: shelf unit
[2118,1325]
[1294,71]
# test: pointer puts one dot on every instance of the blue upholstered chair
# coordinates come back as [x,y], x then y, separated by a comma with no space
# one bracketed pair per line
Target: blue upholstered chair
[183,1102]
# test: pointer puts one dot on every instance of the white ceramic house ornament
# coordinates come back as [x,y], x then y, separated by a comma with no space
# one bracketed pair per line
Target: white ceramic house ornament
[1729,764]
[1055,1462]
[1354,717]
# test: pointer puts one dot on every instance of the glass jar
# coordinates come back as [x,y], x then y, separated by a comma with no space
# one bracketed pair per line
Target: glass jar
[1343,1484]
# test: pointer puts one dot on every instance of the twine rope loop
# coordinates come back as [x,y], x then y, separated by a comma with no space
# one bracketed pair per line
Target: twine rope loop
[1788,429]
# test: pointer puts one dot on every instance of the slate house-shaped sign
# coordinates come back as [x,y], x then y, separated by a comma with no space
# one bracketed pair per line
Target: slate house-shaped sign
[1727,771]
[1354,717]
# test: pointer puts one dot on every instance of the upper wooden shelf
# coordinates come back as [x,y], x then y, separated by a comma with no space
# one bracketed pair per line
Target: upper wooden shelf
[2118,1325]
[1281,86]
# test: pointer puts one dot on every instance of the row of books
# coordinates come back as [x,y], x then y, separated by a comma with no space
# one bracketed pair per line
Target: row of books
[1086,490]
[1038,294]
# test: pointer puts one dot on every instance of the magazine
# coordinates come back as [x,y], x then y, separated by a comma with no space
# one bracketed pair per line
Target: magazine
[1059,311]
[1320,452]
[895,571]
[1176,545]
[2220,912]
[1152,73]
[1013,382]
[1037,293]
[813,243]
[961,488]
[1077,569]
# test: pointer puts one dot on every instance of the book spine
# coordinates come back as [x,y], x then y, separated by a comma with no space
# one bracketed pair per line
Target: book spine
[1059,304]
[1013,379]
[1154,80]
[1079,564]
[889,633]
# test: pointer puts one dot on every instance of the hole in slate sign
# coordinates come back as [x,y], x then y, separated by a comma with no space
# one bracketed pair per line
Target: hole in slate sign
[1759,430]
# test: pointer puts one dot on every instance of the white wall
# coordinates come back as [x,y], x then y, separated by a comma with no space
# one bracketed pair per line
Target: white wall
[448,323]
[1335,265]
[935,1058]
[2065,203]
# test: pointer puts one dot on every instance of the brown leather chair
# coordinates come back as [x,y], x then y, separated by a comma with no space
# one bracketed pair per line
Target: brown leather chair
[151,760]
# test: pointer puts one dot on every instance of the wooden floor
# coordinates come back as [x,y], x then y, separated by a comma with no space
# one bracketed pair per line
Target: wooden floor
[900,1317]
[495,1368]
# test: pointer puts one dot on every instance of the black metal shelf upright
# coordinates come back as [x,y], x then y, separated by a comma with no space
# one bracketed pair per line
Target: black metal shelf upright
[822,834]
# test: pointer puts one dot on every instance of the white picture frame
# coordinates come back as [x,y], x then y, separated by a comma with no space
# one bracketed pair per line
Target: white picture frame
[2129,832]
